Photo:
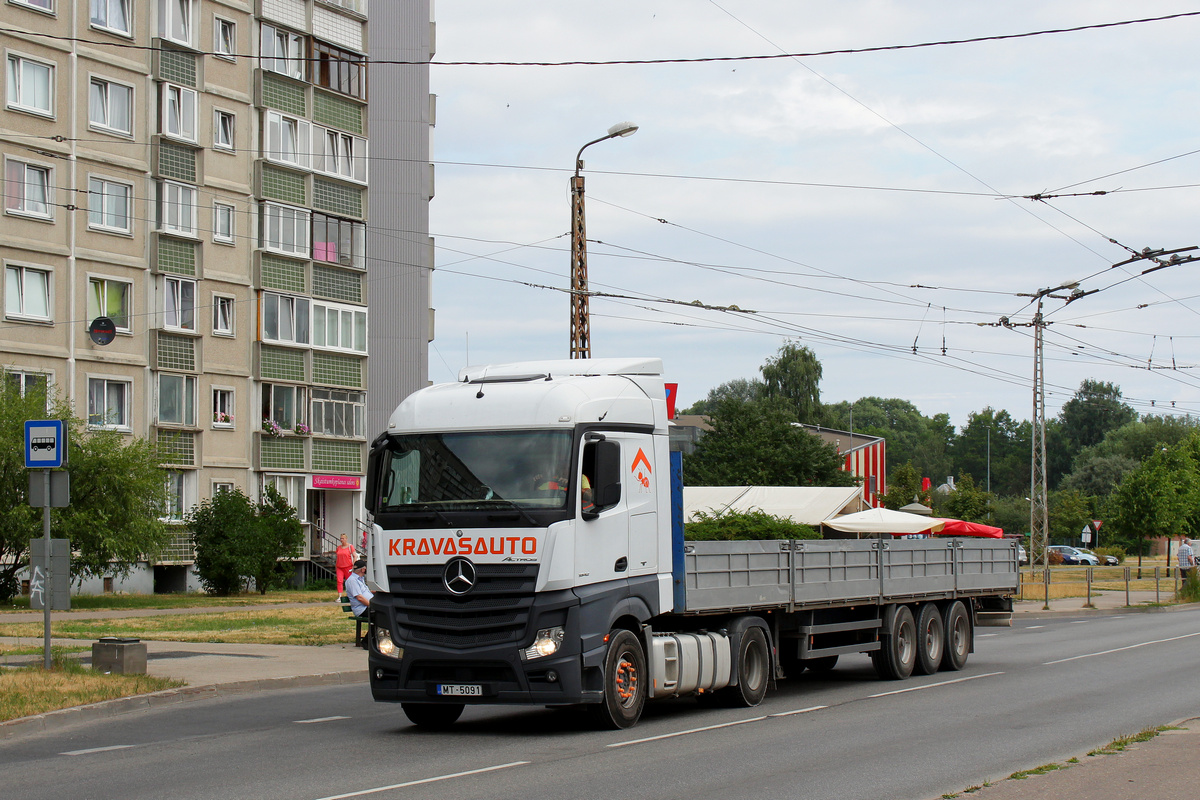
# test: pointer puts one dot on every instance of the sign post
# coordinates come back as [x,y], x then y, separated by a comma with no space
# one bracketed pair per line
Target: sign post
[45,448]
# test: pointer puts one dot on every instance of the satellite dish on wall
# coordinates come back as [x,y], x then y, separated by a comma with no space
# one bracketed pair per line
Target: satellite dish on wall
[102,330]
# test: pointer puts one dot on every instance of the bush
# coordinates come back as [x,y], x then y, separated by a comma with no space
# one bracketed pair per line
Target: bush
[320,585]
[1119,552]
[1053,557]
[1190,590]
[753,525]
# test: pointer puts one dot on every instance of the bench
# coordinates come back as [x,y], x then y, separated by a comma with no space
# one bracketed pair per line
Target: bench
[358,621]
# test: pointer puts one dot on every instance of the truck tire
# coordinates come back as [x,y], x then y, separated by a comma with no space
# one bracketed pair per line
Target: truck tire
[753,670]
[931,639]
[957,624]
[432,716]
[624,678]
[897,655]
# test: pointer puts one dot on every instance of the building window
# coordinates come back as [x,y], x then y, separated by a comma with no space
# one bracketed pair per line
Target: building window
[336,413]
[291,488]
[288,140]
[108,403]
[222,130]
[110,205]
[178,211]
[221,486]
[110,106]
[29,384]
[179,304]
[283,405]
[339,241]
[111,15]
[30,85]
[177,495]
[285,229]
[179,112]
[27,189]
[223,228]
[222,315]
[339,327]
[175,20]
[222,405]
[339,70]
[285,319]
[282,51]
[340,154]
[224,38]
[41,5]
[27,292]
[110,298]
[176,399]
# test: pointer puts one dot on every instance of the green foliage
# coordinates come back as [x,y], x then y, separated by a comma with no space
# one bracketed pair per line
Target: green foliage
[737,389]
[904,487]
[1158,499]
[238,542]
[1068,512]
[911,437]
[993,441]
[117,494]
[753,525]
[967,501]
[794,376]
[1117,552]
[1189,590]
[757,443]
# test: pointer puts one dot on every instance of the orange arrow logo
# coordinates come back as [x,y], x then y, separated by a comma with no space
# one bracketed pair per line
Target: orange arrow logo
[641,459]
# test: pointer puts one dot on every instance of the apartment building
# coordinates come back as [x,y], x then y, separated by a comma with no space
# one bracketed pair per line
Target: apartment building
[198,171]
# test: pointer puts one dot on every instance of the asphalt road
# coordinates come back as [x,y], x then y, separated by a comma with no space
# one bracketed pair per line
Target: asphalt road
[1042,691]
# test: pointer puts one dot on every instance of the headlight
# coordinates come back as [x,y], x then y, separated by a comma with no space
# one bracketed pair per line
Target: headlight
[546,643]
[383,641]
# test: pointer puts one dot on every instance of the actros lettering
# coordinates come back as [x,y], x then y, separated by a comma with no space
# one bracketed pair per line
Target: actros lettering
[464,546]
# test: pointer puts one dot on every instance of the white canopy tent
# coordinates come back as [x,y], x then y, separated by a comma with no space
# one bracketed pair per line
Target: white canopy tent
[883,520]
[805,505]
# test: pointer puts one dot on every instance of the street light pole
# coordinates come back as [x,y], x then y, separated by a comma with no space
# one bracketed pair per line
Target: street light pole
[581,337]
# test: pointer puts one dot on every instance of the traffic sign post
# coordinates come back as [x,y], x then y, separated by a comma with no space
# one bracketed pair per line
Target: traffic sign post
[46,448]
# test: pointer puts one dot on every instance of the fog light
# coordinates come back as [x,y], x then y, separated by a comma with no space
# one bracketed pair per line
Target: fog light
[378,674]
[385,645]
[551,676]
[546,643]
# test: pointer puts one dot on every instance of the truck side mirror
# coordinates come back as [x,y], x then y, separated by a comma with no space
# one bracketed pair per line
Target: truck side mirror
[374,460]
[606,481]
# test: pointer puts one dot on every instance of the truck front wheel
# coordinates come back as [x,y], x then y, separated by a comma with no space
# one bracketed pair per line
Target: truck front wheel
[624,682]
[434,716]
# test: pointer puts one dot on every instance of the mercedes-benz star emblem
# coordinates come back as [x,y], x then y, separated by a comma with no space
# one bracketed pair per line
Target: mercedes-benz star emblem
[459,577]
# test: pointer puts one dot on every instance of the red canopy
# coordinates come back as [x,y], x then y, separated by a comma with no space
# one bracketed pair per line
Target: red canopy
[957,527]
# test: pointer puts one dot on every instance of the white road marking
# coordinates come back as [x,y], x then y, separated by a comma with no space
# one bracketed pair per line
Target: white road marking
[935,685]
[425,780]
[97,750]
[1119,649]
[318,719]
[1033,627]
[685,733]
[1080,621]
[985,635]
[799,711]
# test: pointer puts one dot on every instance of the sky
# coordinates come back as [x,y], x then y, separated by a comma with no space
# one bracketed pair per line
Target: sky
[871,206]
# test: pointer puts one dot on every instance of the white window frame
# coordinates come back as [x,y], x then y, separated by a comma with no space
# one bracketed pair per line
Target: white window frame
[16,193]
[105,25]
[187,101]
[346,319]
[126,386]
[97,302]
[187,398]
[340,154]
[107,125]
[299,403]
[288,140]
[181,488]
[177,208]
[16,280]
[177,21]
[282,51]
[103,190]
[224,231]
[18,97]
[223,399]
[44,6]
[356,257]
[286,319]
[224,314]
[221,486]
[285,229]
[179,304]
[224,129]
[224,46]
[352,411]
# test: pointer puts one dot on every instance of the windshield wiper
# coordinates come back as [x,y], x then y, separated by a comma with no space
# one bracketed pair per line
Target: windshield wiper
[517,511]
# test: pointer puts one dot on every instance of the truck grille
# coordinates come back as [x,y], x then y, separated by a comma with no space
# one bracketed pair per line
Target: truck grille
[495,611]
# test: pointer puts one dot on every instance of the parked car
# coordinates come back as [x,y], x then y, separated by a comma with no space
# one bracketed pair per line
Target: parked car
[1022,555]
[1108,561]
[1070,555]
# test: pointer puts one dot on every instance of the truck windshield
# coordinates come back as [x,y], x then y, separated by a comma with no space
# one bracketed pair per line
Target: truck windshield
[476,471]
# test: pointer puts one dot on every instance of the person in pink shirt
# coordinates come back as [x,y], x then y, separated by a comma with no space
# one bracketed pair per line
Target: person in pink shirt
[344,563]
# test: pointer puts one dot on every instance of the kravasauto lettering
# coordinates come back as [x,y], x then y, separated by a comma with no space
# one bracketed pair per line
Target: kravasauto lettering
[464,546]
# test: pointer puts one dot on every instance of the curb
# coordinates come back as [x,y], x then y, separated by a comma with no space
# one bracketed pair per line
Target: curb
[53,720]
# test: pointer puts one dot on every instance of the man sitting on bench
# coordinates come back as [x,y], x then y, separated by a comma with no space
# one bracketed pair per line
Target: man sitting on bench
[357,591]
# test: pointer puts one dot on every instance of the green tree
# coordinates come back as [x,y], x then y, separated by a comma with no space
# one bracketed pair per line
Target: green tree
[904,487]
[1068,511]
[994,443]
[237,541]
[117,493]
[754,525]
[744,389]
[1084,421]
[794,375]
[758,443]
[911,437]
[1155,500]
[967,501]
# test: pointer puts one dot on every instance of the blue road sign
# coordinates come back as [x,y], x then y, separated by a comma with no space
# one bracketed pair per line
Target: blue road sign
[45,443]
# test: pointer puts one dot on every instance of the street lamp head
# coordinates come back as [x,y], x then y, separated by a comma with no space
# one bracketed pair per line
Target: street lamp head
[623,129]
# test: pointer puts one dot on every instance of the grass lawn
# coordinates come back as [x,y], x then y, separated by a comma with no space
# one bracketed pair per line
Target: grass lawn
[33,690]
[119,602]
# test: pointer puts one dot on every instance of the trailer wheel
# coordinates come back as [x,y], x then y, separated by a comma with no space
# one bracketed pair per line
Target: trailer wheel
[433,716]
[958,636]
[931,640]
[624,682]
[821,665]
[753,670]
[895,658]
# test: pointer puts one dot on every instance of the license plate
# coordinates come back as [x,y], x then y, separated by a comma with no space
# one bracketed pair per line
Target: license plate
[460,689]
